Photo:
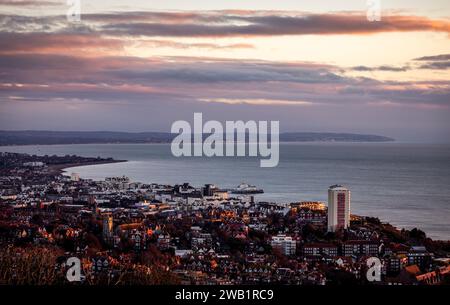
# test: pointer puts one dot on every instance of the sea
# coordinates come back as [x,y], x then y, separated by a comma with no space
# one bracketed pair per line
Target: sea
[405,184]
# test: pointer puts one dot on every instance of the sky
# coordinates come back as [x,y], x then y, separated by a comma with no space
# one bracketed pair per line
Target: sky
[313,65]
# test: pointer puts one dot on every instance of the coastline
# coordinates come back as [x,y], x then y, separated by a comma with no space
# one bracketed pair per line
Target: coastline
[41,137]
[111,217]
[325,142]
[61,168]
[382,223]
[398,222]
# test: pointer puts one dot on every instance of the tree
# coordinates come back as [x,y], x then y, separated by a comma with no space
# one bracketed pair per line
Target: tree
[29,266]
[417,234]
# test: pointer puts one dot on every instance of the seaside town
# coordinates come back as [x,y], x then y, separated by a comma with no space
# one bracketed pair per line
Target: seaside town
[127,232]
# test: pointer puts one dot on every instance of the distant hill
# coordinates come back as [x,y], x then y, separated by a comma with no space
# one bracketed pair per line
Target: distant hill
[331,137]
[86,137]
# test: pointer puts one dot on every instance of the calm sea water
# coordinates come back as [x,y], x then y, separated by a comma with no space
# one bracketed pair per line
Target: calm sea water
[405,184]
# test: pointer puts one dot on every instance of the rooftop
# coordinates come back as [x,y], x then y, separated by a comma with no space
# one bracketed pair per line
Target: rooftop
[338,187]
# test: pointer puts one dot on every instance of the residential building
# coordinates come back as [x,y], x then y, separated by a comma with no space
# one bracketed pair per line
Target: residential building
[286,244]
[338,208]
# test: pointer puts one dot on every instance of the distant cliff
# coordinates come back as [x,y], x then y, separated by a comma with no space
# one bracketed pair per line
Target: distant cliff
[331,137]
[86,137]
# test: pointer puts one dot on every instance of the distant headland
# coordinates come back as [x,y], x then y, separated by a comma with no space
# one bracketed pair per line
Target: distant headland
[32,137]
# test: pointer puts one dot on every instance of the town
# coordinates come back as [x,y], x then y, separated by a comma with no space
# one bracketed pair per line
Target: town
[127,232]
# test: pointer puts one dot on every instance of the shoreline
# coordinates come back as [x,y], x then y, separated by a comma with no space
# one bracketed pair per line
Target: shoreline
[61,168]
[383,222]
[222,142]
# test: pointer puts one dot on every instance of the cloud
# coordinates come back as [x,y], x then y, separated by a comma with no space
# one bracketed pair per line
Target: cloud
[183,45]
[257,102]
[380,68]
[57,43]
[205,80]
[218,71]
[45,57]
[84,43]
[233,24]
[439,65]
[254,24]
[162,17]
[434,62]
[23,3]
[441,57]
[59,74]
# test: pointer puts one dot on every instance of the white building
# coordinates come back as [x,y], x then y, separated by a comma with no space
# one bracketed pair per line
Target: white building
[338,208]
[75,177]
[34,164]
[286,244]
